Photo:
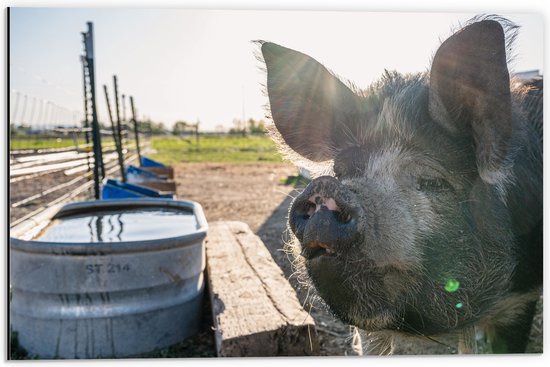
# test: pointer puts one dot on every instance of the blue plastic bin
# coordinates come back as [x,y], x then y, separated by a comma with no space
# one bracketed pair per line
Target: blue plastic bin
[148,162]
[135,174]
[113,189]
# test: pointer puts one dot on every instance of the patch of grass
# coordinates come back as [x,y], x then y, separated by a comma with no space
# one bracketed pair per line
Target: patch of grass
[295,181]
[233,149]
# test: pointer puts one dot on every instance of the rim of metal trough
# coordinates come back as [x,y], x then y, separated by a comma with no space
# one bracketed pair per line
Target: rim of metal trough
[95,248]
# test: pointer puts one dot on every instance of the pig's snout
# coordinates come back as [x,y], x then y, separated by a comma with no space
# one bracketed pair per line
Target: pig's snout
[323,219]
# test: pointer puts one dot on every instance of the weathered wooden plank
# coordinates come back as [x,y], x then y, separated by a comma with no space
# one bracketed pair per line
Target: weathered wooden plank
[256,311]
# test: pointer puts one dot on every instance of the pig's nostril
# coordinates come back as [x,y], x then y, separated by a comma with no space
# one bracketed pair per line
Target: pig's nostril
[323,218]
[342,216]
[299,216]
[306,210]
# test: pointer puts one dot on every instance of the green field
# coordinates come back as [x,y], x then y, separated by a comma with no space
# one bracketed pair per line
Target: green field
[40,143]
[53,143]
[234,149]
[171,150]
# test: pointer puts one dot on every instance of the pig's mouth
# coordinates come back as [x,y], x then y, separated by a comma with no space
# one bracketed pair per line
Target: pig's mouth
[317,249]
[355,296]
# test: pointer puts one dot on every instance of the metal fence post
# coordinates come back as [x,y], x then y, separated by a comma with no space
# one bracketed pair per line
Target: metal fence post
[99,171]
[136,131]
[119,132]
[115,136]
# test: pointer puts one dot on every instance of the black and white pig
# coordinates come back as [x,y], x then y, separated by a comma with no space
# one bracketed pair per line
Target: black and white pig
[426,213]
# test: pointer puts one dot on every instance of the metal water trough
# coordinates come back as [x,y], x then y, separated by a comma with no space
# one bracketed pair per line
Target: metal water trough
[113,189]
[101,299]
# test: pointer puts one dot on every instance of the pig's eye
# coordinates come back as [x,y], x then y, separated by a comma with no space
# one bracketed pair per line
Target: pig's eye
[432,185]
[340,171]
[337,171]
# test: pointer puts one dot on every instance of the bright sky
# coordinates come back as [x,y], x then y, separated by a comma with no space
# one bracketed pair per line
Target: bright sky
[199,64]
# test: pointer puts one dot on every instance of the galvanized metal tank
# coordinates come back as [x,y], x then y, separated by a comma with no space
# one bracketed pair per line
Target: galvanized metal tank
[107,299]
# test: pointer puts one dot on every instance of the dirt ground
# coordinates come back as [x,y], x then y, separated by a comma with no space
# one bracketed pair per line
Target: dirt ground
[255,194]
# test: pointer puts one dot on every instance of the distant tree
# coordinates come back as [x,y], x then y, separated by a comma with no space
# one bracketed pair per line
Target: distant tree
[151,127]
[179,127]
[161,128]
[19,130]
[252,127]
[238,128]
[256,127]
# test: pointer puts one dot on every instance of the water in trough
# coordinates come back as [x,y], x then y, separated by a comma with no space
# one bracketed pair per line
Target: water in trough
[120,226]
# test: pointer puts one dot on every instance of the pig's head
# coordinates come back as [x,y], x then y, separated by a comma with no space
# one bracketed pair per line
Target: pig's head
[409,230]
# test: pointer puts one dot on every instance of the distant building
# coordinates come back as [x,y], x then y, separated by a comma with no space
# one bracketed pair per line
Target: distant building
[528,75]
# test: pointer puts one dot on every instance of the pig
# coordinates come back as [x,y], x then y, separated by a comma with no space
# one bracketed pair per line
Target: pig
[424,216]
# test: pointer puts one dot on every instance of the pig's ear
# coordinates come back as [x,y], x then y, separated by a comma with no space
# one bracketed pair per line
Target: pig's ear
[311,108]
[470,92]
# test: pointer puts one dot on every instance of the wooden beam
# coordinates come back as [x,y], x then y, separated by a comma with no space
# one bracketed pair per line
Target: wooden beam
[255,310]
